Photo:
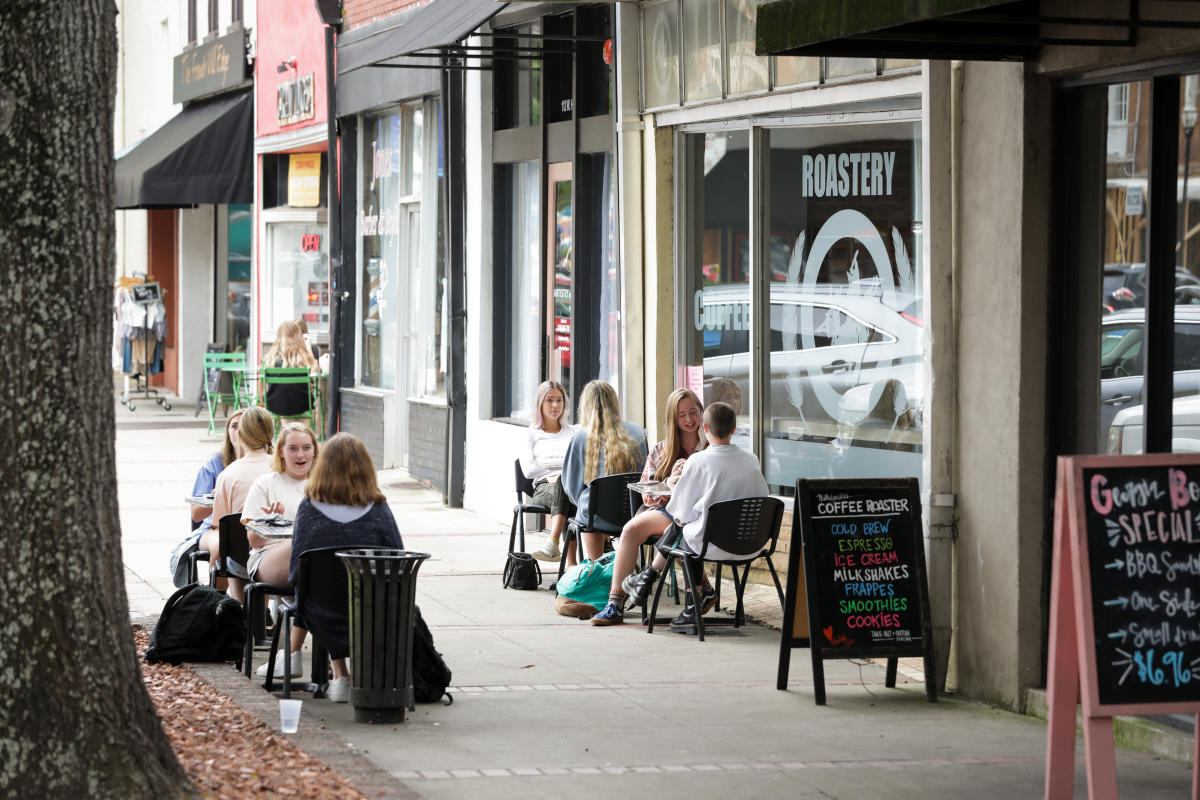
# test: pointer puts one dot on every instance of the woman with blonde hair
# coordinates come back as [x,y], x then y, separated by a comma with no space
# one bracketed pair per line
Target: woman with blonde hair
[280,491]
[343,507]
[289,350]
[255,430]
[604,444]
[542,461]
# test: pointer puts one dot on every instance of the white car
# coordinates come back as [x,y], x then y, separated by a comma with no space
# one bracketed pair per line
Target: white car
[1125,436]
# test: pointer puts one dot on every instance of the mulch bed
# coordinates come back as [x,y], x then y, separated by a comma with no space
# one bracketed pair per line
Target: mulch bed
[226,751]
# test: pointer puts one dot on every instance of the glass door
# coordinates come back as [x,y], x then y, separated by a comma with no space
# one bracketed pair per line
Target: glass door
[560,271]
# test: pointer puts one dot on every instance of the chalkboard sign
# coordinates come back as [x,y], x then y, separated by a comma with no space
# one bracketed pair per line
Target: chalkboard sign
[145,292]
[1143,555]
[864,563]
[1124,603]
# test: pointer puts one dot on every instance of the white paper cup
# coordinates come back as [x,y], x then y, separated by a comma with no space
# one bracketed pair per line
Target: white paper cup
[289,715]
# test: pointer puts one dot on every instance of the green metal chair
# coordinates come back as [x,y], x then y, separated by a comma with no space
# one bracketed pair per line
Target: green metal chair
[274,376]
[225,383]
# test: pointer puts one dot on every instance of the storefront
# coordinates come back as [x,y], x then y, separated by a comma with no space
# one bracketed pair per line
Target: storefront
[292,281]
[194,177]
[401,117]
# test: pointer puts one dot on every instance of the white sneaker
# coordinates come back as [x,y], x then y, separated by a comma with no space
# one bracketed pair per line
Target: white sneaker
[548,551]
[339,690]
[297,660]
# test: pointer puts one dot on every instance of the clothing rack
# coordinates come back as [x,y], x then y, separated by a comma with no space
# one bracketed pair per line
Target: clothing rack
[143,294]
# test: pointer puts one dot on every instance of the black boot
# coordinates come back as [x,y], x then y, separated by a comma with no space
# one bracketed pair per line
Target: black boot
[638,586]
[685,622]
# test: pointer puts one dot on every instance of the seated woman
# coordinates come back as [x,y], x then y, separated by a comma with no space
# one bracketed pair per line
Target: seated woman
[280,491]
[289,350]
[342,507]
[602,445]
[542,459]
[206,481]
[684,438]
[233,484]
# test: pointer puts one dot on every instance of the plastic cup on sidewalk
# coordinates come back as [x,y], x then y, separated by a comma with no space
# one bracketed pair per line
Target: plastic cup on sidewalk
[289,715]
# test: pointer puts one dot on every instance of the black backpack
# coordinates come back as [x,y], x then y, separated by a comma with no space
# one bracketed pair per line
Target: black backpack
[198,623]
[430,674]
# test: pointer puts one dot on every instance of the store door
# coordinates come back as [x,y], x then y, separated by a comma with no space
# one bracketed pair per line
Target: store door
[409,362]
[560,268]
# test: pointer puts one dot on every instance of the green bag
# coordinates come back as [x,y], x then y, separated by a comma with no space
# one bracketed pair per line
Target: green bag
[588,581]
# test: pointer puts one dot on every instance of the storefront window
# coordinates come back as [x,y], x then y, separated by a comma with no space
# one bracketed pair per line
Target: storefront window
[299,278]
[660,38]
[609,317]
[521,277]
[379,228]
[413,148]
[747,72]
[237,286]
[518,80]
[842,387]
[796,71]
[848,67]
[702,50]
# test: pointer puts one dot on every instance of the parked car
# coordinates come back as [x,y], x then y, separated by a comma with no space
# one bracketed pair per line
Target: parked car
[1126,435]
[1121,358]
[1125,285]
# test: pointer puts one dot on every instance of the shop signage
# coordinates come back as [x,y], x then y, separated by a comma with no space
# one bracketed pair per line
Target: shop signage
[304,180]
[294,100]
[1124,614]
[865,590]
[310,243]
[211,67]
[1135,204]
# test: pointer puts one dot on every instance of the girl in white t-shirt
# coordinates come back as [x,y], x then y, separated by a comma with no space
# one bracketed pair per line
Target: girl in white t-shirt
[542,459]
[280,491]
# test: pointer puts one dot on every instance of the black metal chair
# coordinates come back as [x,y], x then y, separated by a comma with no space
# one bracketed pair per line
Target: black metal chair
[646,556]
[232,545]
[749,525]
[608,500]
[524,487]
[321,579]
[256,593]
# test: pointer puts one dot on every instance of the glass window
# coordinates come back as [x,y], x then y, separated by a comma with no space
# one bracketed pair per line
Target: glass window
[715,335]
[299,272]
[560,279]
[380,253]
[413,140]
[848,67]
[890,64]
[237,286]
[747,72]
[518,81]
[794,71]
[701,50]
[846,375]
[521,293]
[660,42]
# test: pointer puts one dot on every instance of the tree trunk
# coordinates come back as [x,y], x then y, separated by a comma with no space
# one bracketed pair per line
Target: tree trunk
[75,718]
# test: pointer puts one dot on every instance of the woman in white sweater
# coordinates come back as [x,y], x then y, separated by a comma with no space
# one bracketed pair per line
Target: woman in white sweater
[542,460]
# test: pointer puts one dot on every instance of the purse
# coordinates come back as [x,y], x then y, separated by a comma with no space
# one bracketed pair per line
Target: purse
[521,571]
[588,582]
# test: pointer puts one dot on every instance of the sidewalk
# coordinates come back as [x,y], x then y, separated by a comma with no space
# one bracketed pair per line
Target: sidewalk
[547,706]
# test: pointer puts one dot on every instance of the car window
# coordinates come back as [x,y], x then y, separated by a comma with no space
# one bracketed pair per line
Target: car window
[1187,347]
[830,326]
[1121,352]
[1112,282]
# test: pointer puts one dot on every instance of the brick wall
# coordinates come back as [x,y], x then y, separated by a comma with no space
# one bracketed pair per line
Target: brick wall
[428,427]
[362,415]
[356,13]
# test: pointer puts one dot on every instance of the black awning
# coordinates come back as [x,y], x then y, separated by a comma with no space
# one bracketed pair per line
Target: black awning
[204,154]
[970,30]
[436,24]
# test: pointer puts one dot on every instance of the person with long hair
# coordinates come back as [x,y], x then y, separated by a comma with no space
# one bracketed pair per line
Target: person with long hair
[280,491]
[289,350]
[255,431]
[542,461]
[343,507]
[721,471]
[603,444]
[206,481]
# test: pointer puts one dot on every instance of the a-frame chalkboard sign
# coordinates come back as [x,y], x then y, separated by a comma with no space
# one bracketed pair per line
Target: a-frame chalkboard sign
[1124,606]
[864,567]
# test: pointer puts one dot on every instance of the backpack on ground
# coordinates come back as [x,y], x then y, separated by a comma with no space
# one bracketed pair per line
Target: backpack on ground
[430,674]
[198,623]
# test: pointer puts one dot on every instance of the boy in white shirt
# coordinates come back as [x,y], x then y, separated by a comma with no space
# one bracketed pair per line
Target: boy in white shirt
[720,472]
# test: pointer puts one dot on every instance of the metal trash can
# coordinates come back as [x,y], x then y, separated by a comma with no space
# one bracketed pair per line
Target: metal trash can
[383,587]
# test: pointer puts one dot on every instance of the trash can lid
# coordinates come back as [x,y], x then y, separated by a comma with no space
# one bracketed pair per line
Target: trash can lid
[368,560]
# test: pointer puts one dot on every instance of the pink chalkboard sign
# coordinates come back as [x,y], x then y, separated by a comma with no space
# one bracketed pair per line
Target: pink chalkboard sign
[1125,604]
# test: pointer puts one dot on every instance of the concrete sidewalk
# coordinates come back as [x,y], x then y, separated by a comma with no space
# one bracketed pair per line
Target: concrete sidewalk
[547,706]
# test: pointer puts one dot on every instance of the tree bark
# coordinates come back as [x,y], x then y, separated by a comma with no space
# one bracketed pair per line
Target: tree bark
[75,718]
